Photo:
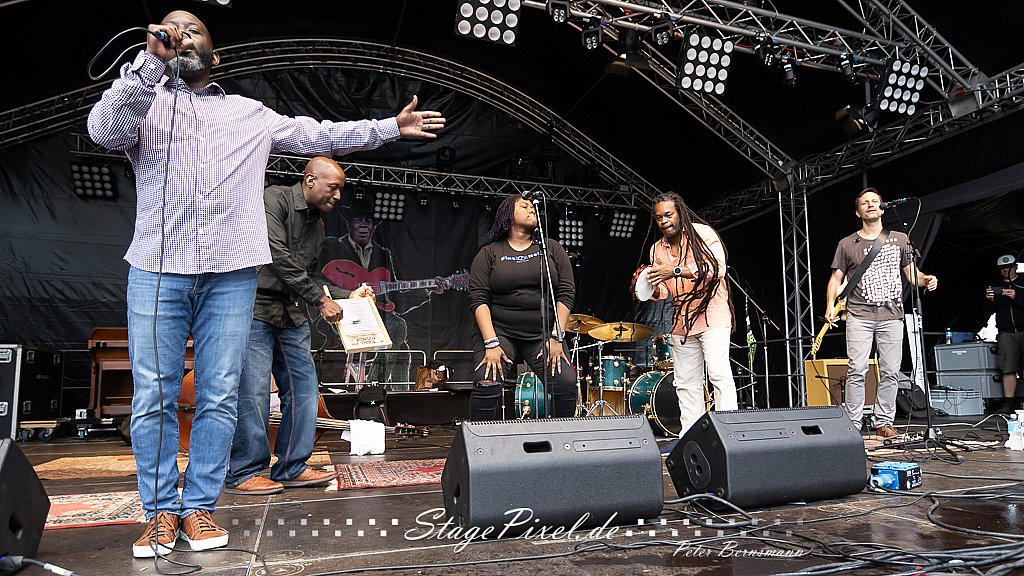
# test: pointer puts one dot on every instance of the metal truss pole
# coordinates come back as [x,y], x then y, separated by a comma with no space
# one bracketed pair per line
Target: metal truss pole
[415,180]
[796,287]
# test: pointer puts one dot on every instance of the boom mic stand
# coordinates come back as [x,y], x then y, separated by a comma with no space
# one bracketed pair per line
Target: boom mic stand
[765,321]
[547,292]
[932,436]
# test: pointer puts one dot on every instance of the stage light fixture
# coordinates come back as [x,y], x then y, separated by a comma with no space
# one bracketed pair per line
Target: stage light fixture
[456,198]
[359,193]
[93,181]
[423,197]
[592,37]
[846,68]
[389,206]
[492,20]
[570,229]
[559,11]
[901,87]
[766,50]
[788,72]
[856,120]
[704,63]
[445,159]
[661,33]
[622,224]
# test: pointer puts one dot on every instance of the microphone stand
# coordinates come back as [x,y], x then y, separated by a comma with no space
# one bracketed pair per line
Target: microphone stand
[765,321]
[932,436]
[547,290]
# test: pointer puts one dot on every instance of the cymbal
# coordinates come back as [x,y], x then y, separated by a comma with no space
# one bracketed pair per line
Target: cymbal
[621,332]
[582,323]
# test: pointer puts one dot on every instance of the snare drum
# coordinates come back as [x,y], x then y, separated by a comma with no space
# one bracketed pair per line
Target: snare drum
[654,395]
[663,352]
[615,375]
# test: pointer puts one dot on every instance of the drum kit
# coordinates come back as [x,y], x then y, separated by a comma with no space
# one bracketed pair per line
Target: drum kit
[614,384]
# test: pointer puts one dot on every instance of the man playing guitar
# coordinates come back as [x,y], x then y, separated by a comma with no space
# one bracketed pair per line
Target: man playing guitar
[874,307]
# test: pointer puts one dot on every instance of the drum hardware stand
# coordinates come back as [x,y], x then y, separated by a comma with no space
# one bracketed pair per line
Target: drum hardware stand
[600,405]
[574,359]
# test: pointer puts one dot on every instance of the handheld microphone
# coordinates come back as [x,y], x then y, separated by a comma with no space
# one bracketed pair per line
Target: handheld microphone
[531,194]
[164,37]
[891,203]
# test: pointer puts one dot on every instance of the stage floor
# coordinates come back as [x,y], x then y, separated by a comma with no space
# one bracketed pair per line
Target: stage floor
[313,531]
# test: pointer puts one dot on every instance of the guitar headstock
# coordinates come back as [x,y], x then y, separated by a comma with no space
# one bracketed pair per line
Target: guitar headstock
[459,281]
[409,431]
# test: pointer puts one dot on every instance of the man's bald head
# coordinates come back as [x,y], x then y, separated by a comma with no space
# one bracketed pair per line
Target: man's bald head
[324,166]
[182,18]
[322,183]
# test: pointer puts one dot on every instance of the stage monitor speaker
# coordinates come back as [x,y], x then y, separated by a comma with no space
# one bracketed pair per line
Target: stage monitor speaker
[517,475]
[23,507]
[826,380]
[775,456]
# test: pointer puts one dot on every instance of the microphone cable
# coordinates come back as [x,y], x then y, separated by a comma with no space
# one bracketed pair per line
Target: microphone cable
[92,62]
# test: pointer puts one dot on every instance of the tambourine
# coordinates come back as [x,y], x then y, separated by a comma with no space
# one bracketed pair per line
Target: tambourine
[641,286]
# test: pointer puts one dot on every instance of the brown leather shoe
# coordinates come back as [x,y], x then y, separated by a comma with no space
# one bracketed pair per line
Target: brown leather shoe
[310,477]
[201,532]
[886,431]
[161,534]
[257,486]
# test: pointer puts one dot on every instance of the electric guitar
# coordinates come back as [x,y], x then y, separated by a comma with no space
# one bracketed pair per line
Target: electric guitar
[837,311]
[349,275]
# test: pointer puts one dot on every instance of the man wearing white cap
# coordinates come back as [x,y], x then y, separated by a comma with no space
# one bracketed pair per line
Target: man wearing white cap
[1008,297]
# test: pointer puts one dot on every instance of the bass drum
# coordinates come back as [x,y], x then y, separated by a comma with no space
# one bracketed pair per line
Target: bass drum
[654,396]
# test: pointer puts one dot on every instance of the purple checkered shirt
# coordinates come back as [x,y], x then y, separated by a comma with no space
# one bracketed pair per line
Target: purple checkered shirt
[214,219]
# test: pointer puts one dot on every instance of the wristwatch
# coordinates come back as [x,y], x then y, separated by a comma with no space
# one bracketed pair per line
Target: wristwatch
[677,271]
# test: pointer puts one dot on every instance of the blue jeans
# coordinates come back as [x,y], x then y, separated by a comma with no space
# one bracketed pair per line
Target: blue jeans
[285,353]
[216,309]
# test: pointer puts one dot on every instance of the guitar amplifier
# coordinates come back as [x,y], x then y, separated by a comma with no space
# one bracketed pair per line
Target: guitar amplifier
[826,381]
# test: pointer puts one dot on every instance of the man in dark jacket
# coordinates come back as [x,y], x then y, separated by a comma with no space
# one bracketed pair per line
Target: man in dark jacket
[279,338]
[1008,297]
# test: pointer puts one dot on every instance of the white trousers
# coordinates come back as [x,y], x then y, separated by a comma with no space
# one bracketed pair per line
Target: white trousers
[710,348]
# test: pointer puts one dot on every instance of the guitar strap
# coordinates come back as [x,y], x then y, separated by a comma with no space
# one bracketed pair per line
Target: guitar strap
[868,258]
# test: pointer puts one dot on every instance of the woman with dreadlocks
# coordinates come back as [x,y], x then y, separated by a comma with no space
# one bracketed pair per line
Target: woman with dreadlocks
[504,295]
[688,265]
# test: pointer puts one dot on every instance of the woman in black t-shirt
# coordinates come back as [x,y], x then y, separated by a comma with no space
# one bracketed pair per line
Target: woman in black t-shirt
[504,295]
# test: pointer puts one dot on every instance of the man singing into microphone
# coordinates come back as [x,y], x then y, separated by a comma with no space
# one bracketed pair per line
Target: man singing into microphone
[874,308]
[200,233]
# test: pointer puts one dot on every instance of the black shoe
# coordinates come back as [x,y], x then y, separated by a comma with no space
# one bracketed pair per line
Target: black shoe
[1007,407]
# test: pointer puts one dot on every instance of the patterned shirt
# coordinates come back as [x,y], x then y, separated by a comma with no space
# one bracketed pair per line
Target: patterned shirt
[212,215]
[718,313]
[879,294]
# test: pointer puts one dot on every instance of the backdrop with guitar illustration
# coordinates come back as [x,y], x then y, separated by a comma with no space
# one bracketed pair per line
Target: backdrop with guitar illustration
[415,259]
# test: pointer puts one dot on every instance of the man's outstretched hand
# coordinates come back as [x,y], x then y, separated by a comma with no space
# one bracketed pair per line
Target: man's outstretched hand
[418,123]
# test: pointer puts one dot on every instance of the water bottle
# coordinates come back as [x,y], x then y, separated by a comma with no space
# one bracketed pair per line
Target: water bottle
[949,336]
[1016,441]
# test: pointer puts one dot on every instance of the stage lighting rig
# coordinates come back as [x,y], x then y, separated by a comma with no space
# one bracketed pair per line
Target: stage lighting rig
[704,63]
[570,229]
[559,11]
[493,20]
[661,33]
[788,66]
[389,206]
[93,181]
[901,86]
[592,36]
[622,224]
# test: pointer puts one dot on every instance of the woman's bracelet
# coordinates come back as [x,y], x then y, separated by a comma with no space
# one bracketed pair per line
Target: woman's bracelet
[492,343]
